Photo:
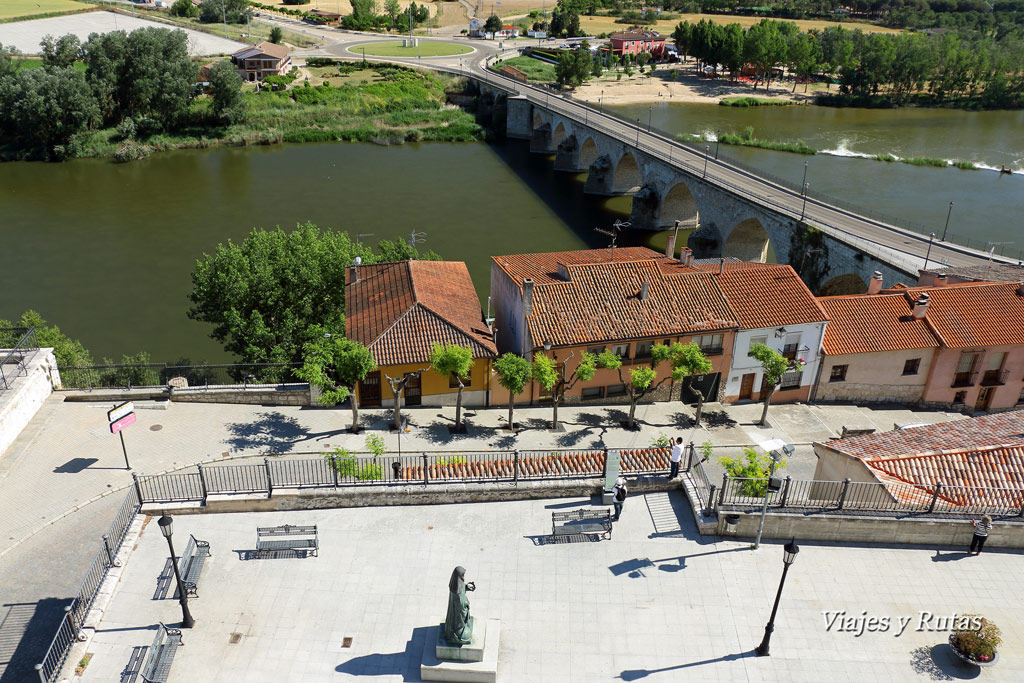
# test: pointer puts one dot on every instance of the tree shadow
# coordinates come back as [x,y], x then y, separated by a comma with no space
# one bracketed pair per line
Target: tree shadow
[405,664]
[938,663]
[505,442]
[536,423]
[274,431]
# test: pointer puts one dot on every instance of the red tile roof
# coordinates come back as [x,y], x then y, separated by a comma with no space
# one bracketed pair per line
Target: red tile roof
[974,314]
[400,310]
[543,268]
[870,323]
[766,295]
[637,34]
[992,466]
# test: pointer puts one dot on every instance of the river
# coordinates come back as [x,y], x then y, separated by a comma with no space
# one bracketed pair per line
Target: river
[106,250]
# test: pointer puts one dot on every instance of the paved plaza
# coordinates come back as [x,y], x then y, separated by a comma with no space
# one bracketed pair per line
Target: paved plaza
[654,602]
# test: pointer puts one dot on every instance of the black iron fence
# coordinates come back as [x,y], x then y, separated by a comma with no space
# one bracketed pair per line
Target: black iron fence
[70,628]
[872,497]
[135,375]
[344,469]
[18,345]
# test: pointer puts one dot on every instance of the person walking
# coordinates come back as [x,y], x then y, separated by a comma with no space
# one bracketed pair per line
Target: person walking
[619,494]
[677,455]
[981,528]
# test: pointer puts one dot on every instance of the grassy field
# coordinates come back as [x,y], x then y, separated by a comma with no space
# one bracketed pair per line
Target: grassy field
[451,12]
[10,9]
[240,32]
[595,25]
[534,69]
[426,48]
[38,64]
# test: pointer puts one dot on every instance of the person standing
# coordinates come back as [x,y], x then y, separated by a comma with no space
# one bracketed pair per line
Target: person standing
[981,528]
[677,455]
[619,494]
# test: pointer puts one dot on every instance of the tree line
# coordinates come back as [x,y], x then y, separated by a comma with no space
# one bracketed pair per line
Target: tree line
[140,82]
[944,67]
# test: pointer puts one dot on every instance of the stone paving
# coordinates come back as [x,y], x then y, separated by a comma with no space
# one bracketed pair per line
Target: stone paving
[653,602]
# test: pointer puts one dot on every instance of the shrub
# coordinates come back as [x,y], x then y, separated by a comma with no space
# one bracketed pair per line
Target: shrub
[926,161]
[347,465]
[131,151]
[978,644]
[126,129]
[375,444]
[752,469]
[965,165]
[888,158]
[661,441]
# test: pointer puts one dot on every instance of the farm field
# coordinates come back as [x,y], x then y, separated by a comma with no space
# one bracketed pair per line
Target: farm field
[595,25]
[10,9]
[453,12]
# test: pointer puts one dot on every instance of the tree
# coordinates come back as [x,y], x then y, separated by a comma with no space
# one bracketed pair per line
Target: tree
[493,24]
[276,35]
[393,10]
[774,365]
[60,52]
[765,47]
[641,379]
[68,352]
[803,57]
[452,360]
[8,63]
[335,365]
[155,76]
[398,390]
[552,376]
[103,55]
[753,469]
[217,11]
[45,109]
[731,49]
[184,8]
[513,374]
[226,91]
[690,361]
[574,66]
[681,36]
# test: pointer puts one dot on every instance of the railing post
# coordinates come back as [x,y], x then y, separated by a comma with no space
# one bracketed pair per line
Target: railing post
[110,555]
[138,489]
[426,475]
[935,496]
[721,491]
[604,465]
[785,490]
[270,483]
[842,496]
[202,482]
[515,466]
[334,469]
[42,676]
[71,621]
[711,500]
[689,458]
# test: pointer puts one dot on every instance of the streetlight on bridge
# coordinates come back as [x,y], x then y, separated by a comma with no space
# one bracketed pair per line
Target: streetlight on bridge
[803,208]
[707,152]
[931,236]
[948,213]
[638,132]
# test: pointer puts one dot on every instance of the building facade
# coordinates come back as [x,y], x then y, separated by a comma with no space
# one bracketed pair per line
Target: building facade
[264,59]
[635,41]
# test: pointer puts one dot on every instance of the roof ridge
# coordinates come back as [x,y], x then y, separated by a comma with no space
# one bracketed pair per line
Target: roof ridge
[449,323]
[395,322]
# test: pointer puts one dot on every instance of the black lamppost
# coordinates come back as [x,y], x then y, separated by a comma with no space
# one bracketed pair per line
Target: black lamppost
[167,529]
[718,141]
[650,115]
[638,132]
[707,151]
[789,552]
[931,237]
[803,207]
[948,213]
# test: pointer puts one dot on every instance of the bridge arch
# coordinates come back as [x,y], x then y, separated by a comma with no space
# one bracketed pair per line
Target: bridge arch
[588,152]
[627,176]
[538,120]
[679,205]
[850,283]
[748,241]
[558,134]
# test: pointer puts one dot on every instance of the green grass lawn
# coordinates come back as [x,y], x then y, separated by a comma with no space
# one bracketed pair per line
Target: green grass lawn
[10,9]
[38,64]
[534,69]
[426,48]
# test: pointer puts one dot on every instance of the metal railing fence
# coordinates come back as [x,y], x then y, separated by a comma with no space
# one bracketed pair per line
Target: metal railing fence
[134,375]
[17,347]
[69,630]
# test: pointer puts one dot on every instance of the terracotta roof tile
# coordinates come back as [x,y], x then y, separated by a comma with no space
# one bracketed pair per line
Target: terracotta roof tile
[543,268]
[974,314]
[400,310]
[871,323]
[768,295]
[993,466]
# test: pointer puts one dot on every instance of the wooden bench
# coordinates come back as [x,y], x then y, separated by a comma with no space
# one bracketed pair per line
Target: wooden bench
[582,521]
[157,664]
[287,537]
[191,565]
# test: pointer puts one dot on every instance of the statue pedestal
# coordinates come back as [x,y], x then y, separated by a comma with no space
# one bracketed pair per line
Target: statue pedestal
[475,661]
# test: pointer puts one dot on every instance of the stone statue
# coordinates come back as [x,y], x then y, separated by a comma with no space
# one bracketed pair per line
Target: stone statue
[458,626]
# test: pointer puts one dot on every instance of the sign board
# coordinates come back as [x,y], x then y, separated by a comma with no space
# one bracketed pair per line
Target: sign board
[117,412]
[118,425]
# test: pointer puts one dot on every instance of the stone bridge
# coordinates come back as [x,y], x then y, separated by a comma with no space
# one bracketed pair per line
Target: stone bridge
[725,222]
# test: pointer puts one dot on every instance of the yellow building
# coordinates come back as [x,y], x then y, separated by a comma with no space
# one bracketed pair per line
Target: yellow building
[399,311]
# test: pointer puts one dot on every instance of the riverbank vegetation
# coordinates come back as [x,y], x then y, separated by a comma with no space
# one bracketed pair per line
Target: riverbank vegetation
[128,107]
[747,139]
[969,68]
[740,101]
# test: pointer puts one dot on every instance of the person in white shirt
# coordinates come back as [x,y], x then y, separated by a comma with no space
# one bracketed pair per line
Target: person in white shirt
[619,493]
[677,455]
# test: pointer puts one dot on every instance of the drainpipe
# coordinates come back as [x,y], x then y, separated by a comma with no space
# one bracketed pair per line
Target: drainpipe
[821,364]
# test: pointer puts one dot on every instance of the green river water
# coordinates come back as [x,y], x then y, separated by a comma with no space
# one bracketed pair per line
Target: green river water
[105,250]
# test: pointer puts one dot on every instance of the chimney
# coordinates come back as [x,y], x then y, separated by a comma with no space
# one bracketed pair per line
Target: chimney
[670,246]
[721,265]
[686,257]
[645,290]
[1020,289]
[356,262]
[875,286]
[527,297]
[921,306]
[941,280]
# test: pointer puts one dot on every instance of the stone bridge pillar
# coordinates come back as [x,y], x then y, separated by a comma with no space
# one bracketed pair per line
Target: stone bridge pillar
[567,158]
[601,177]
[644,215]
[541,142]
[519,119]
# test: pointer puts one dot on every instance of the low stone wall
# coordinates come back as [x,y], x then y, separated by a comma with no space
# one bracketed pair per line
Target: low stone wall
[280,395]
[20,403]
[864,529]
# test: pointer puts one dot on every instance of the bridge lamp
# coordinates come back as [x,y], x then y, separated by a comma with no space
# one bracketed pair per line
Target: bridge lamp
[931,237]
[803,208]
[707,152]
[638,132]
[948,213]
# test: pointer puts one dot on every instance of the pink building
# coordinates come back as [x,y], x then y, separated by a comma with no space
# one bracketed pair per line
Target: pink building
[636,40]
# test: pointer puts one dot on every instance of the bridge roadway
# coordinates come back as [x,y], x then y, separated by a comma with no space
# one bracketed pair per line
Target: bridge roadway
[904,249]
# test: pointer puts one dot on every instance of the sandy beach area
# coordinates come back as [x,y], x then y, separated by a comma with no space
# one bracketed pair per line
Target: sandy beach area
[687,87]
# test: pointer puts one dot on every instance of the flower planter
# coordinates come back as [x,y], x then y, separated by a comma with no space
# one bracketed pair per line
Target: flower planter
[967,659]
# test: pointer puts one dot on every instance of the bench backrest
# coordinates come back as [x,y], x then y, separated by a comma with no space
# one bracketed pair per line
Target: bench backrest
[580,514]
[190,550]
[286,530]
[152,660]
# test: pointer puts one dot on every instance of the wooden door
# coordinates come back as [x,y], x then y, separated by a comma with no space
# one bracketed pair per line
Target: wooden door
[747,386]
[369,391]
[414,391]
[984,398]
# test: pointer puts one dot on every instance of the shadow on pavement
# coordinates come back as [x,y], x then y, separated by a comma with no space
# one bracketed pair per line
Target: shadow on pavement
[938,663]
[75,465]
[636,674]
[25,634]
[406,663]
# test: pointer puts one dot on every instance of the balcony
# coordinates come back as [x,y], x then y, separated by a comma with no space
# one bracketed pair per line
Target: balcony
[964,379]
[712,350]
[993,378]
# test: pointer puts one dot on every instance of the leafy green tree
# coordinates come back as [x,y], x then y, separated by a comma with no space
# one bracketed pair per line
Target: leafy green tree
[68,352]
[184,8]
[765,47]
[8,60]
[45,110]
[803,57]
[276,35]
[553,377]
[335,365]
[493,24]
[60,52]
[774,365]
[641,379]
[689,361]
[226,92]
[513,374]
[452,360]
[103,55]
[730,52]
[753,469]
[574,67]
[681,36]
[393,10]
[217,11]
[156,77]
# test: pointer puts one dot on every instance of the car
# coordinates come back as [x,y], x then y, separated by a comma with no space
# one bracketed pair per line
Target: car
[564,46]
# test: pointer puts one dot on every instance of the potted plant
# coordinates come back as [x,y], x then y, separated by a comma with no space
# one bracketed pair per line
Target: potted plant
[977,645]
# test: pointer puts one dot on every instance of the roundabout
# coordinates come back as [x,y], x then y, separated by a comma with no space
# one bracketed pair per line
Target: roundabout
[425,48]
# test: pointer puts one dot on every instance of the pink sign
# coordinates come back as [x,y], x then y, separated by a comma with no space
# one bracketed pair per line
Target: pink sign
[117,426]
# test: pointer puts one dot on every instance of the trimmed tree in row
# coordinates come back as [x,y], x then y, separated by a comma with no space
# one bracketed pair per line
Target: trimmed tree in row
[513,374]
[452,360]
[335,365]
[774,365]
[553,376]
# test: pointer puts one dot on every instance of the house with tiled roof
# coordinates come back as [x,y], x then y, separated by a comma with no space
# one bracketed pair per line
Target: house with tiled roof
[399,311]
[636,40]
[978,461]
[622,300]
[255,62]
[773,307]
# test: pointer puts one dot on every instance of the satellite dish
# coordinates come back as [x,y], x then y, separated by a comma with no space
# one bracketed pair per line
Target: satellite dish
[358,260]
